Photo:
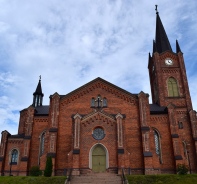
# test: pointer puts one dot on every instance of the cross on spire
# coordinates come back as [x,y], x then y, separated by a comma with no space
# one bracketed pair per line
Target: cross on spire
[156,9]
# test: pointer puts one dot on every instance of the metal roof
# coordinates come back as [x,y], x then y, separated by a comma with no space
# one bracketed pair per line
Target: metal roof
[156,109]
[42,110]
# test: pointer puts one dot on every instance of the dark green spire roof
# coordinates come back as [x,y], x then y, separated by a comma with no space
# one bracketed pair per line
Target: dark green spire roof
[162,43]
[38,95]
[38,89]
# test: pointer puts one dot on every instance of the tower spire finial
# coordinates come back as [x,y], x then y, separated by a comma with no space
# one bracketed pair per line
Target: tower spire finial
[40,77]
[156,9]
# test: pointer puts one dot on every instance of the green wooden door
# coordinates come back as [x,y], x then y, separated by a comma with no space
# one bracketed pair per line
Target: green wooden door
[98,159]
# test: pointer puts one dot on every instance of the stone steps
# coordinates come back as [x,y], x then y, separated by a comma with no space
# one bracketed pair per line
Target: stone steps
[96,178]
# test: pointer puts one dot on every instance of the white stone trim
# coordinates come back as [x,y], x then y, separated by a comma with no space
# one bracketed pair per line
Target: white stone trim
[77,116]
[119,115]
[77,131]
[119,118]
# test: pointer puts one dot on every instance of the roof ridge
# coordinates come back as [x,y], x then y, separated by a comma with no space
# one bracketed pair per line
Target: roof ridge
[102,80]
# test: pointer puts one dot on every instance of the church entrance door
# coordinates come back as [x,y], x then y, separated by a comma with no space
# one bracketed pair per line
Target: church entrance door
[99,159]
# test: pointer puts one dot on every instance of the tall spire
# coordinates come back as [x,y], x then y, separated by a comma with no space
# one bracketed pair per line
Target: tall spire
[38,95]
[39,88]
[161,39]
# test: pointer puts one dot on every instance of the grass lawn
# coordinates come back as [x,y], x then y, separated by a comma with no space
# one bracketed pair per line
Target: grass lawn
[32,180]
[161,179]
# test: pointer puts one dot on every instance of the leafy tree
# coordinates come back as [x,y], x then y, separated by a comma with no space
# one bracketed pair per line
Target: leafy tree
[48,167]
[35,171]
[182,169]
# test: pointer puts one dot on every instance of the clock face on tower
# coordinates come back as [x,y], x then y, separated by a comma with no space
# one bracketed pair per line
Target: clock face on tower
[98,133]
[168,61]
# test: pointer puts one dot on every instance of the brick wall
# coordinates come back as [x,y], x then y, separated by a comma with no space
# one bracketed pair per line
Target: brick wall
[133,114]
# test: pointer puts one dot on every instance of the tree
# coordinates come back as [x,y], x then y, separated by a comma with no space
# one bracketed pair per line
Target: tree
[182,169]
[35,171]
[48,167]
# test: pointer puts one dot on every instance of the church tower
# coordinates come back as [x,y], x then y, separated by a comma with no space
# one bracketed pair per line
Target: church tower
[38,95]
[167,72]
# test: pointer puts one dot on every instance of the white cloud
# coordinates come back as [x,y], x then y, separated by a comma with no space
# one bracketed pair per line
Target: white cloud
[8,114]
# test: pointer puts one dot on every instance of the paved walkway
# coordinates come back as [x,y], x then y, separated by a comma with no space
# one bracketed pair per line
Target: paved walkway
[96,178]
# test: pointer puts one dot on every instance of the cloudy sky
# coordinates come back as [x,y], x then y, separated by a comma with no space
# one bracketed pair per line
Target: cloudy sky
[70,43]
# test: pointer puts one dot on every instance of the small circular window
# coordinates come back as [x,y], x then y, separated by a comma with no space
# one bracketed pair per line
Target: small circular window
[98,133]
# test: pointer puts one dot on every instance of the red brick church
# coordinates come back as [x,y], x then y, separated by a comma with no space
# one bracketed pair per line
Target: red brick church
[101,127]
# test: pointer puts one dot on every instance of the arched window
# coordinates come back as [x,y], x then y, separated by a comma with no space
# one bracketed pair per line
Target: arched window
[42,139]
[14,156]
[104,102]
[172,87]
[157,143]
[92,102]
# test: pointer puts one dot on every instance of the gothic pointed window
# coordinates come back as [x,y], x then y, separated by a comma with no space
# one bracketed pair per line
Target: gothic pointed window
[92,102]
[104,102]
[157,145]
[42,140]
[14,156]
[172,87]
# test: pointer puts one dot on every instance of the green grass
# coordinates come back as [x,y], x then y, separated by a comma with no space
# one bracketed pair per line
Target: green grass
[163,179]
[32,180]
[133,179]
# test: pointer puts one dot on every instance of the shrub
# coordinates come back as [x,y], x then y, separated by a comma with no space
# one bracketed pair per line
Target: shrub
[48,168]
[182,169]
[35,171]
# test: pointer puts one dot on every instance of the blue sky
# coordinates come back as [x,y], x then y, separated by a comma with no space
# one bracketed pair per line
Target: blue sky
[70,43]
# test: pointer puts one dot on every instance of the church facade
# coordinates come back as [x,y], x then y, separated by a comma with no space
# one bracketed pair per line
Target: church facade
[100,127]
